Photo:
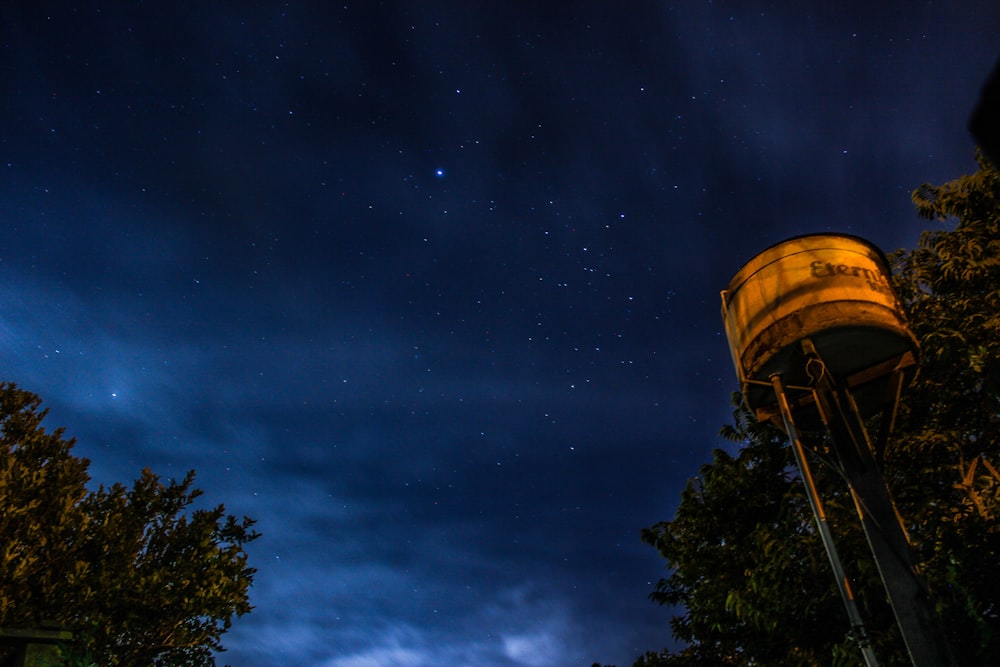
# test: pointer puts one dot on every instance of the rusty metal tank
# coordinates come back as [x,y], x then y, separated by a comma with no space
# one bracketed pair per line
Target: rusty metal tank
[832,289]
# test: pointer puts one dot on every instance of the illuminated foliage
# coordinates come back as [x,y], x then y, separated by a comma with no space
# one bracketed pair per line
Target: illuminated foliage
[135,573]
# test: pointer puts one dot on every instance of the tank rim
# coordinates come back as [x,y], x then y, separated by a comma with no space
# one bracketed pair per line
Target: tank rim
[882,256]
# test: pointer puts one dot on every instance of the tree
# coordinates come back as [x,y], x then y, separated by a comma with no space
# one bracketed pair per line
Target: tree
[137,574]
[747,568]
[949,441]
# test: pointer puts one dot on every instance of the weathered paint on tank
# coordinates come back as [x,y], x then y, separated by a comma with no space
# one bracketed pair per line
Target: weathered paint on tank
[832,289]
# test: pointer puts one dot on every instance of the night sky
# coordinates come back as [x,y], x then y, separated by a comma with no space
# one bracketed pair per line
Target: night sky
[431,289]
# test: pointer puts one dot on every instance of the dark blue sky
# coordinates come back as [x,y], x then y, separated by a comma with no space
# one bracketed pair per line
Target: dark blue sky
[432,289]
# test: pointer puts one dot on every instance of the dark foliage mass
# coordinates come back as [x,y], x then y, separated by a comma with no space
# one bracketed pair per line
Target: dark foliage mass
[135,573]
[747,568]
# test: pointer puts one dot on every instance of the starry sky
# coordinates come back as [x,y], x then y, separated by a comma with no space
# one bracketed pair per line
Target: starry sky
[431,290]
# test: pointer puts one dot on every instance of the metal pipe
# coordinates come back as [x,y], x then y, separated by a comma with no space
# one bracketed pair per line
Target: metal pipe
[843,584]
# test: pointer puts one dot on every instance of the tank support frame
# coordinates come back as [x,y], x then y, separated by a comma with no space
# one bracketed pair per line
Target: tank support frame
[858,631]
[883,526]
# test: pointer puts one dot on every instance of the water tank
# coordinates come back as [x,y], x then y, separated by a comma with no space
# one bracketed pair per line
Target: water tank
[832,289]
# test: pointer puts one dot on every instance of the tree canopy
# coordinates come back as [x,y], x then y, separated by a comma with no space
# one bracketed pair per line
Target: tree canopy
[748,572]
[138,574]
